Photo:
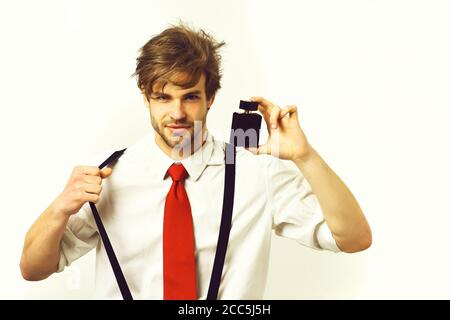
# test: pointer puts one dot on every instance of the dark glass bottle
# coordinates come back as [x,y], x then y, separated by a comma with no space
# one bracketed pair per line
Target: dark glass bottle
[246,126]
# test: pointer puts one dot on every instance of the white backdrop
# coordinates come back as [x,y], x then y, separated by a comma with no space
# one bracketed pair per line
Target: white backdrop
[371,80]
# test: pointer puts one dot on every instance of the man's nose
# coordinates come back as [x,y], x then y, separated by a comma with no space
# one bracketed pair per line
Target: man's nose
[177,111]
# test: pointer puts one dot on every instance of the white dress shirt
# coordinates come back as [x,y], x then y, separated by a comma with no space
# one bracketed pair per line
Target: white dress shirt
[270,194]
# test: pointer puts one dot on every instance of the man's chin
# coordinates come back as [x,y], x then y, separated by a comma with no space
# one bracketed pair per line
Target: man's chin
[178,141]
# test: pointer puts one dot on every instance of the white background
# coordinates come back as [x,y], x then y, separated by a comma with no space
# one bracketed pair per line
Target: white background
[371,80]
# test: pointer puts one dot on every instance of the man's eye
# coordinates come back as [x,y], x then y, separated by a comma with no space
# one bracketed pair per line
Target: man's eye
[192,97]
[160,98]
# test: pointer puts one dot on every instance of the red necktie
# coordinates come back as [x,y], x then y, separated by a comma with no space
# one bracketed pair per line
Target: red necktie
[180,281]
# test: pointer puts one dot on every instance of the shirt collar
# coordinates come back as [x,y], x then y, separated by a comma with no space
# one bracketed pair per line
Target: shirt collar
[209,153]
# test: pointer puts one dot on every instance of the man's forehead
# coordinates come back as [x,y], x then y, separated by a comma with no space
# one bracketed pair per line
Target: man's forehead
[170,85]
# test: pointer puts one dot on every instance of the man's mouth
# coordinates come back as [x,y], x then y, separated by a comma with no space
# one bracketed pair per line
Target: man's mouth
[178,128]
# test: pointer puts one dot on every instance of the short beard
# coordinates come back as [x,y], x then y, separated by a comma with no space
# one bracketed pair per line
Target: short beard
[188,143]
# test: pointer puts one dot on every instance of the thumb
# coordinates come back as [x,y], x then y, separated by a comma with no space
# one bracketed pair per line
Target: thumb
[264,149]
[105,172]
[252,150]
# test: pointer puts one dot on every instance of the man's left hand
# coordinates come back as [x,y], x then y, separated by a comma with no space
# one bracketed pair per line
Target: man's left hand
[286,139]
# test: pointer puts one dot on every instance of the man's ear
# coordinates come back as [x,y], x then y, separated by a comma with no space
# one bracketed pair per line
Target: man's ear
[211,101]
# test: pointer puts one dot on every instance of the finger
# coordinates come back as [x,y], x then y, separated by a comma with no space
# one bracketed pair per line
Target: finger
[92,188]
[264,105]
[105,172]
[91,197]
[284,113]
[274,115]
[293,112]
[262,101]
[91,170]
[289,110]
[266,115]
[92,179]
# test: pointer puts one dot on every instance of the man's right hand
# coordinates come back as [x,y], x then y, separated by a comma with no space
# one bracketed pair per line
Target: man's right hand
[84,185]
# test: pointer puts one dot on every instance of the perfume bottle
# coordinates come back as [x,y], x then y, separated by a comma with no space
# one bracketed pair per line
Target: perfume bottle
[246,126]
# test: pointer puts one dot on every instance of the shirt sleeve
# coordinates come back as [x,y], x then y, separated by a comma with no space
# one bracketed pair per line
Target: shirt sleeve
[295,209]
[79,238]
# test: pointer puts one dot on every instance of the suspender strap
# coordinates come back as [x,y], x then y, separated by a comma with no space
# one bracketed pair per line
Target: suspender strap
[224,233]
[225,224]
[126,294]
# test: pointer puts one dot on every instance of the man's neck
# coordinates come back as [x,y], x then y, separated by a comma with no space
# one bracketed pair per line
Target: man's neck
[182,153]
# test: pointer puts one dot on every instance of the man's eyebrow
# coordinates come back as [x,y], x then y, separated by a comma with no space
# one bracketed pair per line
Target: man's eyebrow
[168,95]
[160,93]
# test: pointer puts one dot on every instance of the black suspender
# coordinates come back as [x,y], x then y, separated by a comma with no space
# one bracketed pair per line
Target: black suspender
[126,294]
[224,233]
[225,223]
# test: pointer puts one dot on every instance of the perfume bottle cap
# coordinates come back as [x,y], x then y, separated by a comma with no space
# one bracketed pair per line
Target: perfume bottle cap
[248,105]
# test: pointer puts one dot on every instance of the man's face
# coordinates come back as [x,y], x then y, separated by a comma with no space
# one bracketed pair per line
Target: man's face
[174,110]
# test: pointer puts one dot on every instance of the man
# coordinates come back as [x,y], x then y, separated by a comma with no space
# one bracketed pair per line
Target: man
[178,73]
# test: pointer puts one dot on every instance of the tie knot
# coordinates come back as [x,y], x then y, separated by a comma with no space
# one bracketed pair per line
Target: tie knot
[177,172]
